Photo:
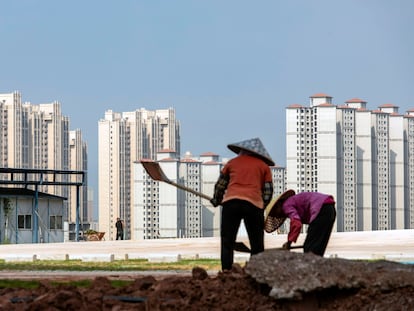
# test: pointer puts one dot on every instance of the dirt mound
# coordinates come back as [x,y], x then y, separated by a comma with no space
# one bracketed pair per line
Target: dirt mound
[316,283]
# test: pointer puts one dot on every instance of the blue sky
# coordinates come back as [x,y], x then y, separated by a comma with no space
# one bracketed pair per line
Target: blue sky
[228,67]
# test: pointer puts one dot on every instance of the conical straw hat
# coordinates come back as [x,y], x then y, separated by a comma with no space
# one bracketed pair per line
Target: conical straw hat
[253,146]
[272,222]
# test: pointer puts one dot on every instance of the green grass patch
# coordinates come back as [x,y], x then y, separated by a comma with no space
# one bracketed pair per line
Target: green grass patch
[19,284]
[116,265]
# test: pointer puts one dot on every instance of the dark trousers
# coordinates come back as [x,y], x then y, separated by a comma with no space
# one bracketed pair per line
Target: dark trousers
[233,212]
[319,230]
[120,235]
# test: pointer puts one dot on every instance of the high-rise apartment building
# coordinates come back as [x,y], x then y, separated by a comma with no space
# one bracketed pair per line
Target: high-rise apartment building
[38,137]
[279,179]
[123,139]
[361,157]
[78,162]
[210,171]
[47,140]
[14,135]
[409,170]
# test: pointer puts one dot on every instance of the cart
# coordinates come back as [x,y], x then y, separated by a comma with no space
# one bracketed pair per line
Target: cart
[96,236]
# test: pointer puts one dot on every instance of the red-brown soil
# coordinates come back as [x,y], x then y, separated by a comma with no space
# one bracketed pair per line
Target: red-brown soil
[384,286]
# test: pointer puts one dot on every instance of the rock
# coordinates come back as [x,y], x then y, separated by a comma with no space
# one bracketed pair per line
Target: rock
[199,273]
[290,275]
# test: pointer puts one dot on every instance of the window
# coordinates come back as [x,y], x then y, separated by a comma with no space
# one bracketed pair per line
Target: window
[56,222]
[24,221]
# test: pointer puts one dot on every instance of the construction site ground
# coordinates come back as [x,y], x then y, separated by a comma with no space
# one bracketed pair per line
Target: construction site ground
[360,271]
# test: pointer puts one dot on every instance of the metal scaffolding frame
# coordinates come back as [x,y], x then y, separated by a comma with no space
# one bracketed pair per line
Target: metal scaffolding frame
[44,177]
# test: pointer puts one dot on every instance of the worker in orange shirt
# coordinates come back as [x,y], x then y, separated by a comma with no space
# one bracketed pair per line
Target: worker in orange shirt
[244,188]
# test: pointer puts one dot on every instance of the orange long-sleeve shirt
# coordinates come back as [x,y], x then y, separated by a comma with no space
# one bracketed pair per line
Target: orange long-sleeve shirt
[248,175]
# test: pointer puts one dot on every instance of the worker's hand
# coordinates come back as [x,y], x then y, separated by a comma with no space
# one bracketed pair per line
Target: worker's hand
[287,245]
[214,202]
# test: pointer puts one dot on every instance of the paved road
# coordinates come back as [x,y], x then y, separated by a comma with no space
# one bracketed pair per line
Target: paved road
[396,245]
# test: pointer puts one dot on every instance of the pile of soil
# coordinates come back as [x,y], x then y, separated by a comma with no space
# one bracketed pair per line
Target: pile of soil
[366,286]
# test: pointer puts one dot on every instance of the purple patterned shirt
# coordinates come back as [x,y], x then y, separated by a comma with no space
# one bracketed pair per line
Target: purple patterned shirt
[305,206]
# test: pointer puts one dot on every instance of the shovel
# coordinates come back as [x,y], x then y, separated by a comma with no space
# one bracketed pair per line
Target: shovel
[241,247]
[155,172]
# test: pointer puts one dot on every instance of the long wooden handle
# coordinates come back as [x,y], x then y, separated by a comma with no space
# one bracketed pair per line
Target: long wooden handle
[204,196]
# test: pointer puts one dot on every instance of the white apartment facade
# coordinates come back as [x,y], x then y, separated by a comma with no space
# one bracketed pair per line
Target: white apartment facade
[125,138]
[48,140]
[361,157]
[210,171]
[409,169]
[78,162]
[190,211]
[156,213]
[12,131]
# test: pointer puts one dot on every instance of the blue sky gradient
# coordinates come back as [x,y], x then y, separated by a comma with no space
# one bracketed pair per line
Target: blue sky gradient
[228,67]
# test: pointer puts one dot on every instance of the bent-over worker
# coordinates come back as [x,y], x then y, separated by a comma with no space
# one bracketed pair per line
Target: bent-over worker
[313,208]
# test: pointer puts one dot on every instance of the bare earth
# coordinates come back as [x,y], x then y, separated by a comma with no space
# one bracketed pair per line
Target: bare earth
[273,280]
[360,271]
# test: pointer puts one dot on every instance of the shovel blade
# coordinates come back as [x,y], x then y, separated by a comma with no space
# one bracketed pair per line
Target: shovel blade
[154,170]
[241,247]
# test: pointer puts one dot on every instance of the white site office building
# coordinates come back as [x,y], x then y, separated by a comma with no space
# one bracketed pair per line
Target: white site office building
[125,138]
[364,158]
